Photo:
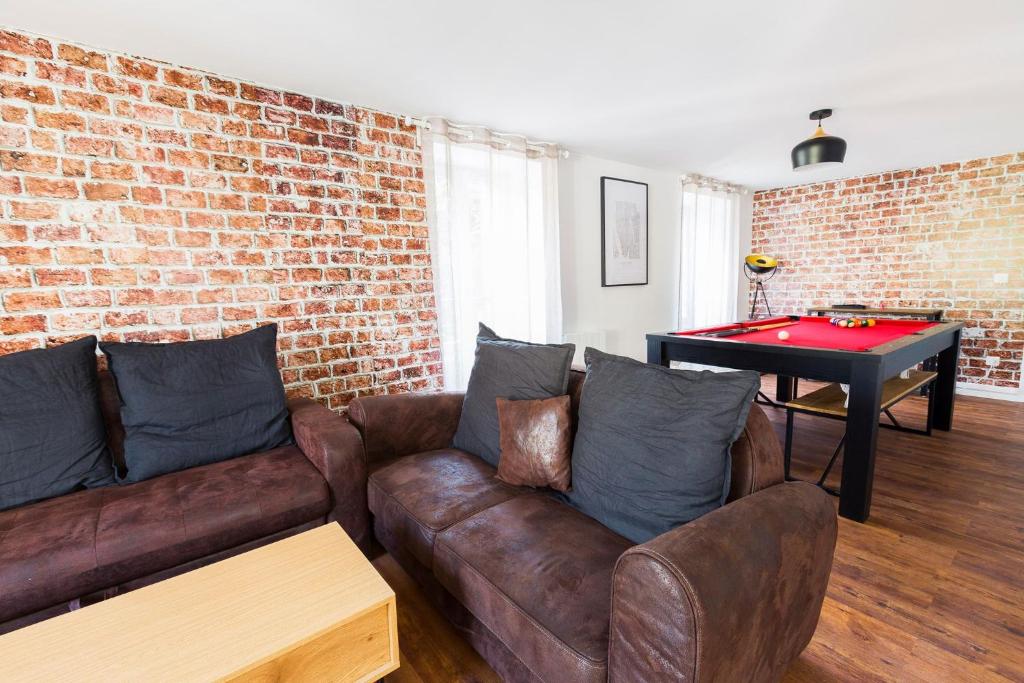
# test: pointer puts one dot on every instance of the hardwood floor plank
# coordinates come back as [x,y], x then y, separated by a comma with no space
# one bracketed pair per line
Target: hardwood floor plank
[430,648]
[930,589]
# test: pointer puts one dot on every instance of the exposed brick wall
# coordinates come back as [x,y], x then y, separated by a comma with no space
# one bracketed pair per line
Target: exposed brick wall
[929,237]
[147,202]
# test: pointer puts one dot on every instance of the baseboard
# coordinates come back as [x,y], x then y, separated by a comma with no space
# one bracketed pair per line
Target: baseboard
[986,391]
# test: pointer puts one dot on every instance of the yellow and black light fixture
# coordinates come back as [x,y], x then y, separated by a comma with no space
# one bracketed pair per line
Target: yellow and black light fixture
[821,148]
[759,269]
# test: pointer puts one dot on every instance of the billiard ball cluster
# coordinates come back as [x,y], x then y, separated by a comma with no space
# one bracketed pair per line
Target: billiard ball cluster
[853,322]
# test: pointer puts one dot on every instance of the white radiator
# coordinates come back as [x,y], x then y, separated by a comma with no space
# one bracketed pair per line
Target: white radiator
[596,338]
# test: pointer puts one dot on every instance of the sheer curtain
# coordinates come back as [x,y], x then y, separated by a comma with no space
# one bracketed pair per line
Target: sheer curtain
[493,209]
[709,252]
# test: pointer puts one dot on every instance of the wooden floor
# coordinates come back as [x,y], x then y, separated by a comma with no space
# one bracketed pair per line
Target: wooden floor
[930,589]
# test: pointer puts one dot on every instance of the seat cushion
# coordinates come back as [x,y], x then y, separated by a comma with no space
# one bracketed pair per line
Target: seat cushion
[66,547]
[415,497]
[538,574]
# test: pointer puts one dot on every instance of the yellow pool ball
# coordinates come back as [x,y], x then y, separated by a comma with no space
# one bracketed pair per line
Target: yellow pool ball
[783,335]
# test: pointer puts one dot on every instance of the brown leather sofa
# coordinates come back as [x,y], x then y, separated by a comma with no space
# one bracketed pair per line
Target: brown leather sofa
[92,544]
[546,593]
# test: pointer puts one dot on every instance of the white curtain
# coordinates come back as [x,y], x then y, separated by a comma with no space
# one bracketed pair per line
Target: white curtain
[709,252]
[493,205]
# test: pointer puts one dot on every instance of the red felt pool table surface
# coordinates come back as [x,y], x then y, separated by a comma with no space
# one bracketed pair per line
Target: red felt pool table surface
[817,332]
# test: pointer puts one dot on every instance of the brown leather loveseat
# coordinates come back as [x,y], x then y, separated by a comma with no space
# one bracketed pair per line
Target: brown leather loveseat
[98,542]
[546,593]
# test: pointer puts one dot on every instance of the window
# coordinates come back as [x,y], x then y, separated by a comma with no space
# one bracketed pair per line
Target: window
[494,240]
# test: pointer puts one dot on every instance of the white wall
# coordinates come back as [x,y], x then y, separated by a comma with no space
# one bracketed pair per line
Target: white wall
[623,314]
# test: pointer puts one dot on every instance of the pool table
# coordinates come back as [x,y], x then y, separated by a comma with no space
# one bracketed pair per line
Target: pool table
[863,357]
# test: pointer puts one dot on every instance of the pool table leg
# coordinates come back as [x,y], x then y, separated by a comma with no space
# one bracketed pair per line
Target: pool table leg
[861,436]
[787,453]
[783,388]
[656,353]
[945,384]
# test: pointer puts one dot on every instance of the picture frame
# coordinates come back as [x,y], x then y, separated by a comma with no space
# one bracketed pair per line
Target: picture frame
[624,232]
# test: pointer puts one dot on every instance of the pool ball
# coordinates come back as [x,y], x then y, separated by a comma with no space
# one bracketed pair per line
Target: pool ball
[783,335]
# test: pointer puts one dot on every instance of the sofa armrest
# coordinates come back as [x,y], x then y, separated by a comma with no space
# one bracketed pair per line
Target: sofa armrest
[402,424]
[732,596]
[757,460]
[334,447]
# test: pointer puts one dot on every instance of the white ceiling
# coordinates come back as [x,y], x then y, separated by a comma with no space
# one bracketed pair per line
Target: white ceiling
[718,87]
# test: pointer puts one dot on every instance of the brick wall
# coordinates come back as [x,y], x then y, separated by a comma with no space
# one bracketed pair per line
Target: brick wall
[926,237]
[141,201]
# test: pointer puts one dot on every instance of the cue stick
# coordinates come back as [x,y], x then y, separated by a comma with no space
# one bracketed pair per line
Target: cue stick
[744,330]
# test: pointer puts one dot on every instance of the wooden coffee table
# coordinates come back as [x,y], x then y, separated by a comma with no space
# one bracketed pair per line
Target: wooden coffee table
[308,608]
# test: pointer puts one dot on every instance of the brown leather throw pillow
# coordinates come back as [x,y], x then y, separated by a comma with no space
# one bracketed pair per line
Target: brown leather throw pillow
[536,442]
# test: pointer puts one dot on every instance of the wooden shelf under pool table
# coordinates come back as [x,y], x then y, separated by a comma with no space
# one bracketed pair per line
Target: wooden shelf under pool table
[831,399]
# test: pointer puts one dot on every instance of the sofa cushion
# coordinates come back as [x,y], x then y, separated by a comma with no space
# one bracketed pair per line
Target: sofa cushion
[652,448]
[417,496]
[538,574]
[51,431]
[110,408]
[193,403]
[536,442]
[66,547]
[507,368]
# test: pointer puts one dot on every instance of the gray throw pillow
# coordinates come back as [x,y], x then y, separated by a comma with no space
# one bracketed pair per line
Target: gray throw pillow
[52,439]
[652,446]
[198,402]
[506,368]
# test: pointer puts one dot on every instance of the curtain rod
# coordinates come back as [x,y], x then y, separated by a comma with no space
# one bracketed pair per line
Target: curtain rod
[467,129]
[713,183]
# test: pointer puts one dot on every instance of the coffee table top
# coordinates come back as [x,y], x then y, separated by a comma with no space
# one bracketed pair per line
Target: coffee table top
[214,622]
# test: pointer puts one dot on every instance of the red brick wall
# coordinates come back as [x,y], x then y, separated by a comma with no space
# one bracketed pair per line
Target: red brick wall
[926,237]
[142,201]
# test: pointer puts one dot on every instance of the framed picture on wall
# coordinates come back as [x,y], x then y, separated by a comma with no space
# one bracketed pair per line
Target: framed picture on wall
[623,232]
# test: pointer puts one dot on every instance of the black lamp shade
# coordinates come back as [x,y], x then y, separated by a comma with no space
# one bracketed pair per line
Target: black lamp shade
[824,149]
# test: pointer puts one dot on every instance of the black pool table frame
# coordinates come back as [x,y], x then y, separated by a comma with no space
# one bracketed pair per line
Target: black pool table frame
[864,371]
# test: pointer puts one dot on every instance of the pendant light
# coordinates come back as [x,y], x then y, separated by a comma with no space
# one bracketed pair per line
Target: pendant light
[820,149]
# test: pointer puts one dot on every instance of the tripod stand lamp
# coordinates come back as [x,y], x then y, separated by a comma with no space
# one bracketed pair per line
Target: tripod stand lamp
[759,269]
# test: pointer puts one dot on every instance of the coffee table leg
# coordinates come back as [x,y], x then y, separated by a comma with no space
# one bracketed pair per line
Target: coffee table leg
[861,437]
